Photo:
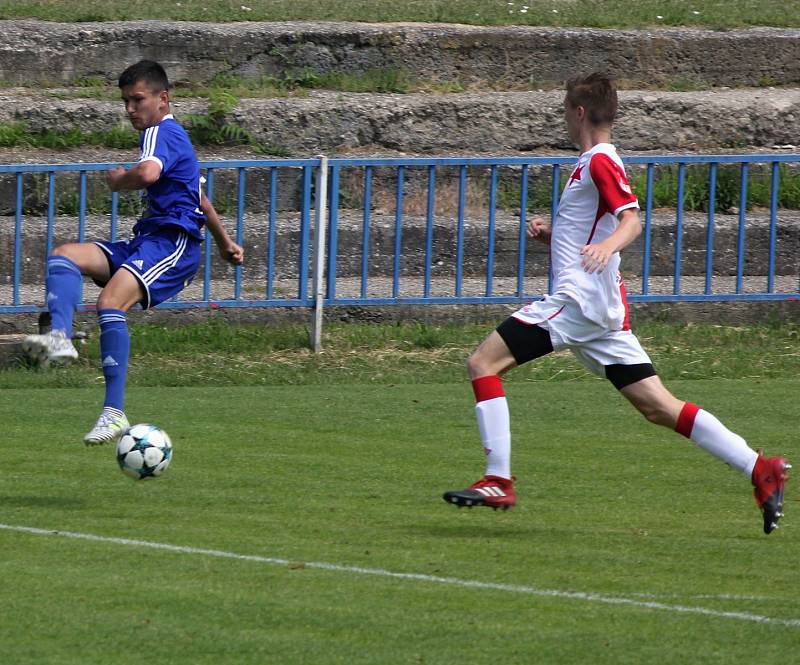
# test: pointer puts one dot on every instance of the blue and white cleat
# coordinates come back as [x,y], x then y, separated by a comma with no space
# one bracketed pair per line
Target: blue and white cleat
[110,427]
[52,347]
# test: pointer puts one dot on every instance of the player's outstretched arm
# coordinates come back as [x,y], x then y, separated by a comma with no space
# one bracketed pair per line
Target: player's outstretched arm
[228,249]
[596,257]
[538,229]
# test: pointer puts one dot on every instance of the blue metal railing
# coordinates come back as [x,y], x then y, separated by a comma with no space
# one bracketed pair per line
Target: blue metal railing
[283,252]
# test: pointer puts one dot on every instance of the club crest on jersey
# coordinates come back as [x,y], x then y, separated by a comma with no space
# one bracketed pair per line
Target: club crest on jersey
[576,174]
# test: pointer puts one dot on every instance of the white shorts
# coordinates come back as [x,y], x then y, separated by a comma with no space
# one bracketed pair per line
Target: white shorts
[593,345]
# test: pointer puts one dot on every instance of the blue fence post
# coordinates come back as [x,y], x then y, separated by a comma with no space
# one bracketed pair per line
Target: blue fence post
[367,209]
[555,193]
[648,229]
[398,230]
[773,225]
[17,240]
[490,231]
[523,220]
[51,204]
[82,214]
[429,229]
[676,289]
[712,204]
[114,215]
[305,217]
[271,230]
[742,219]
[240,191]
[333,228]
[462,187]
[207,245]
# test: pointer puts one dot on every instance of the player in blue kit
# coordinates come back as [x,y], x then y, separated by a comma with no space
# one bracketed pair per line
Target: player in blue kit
[155,264]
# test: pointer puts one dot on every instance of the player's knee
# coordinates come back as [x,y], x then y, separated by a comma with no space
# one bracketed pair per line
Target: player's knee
[61,250]
[476,366]
[106,301]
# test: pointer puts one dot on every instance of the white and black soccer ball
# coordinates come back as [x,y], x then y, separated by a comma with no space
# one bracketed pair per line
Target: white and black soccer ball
[144,451]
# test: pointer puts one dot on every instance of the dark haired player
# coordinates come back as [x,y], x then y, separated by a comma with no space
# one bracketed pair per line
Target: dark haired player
[155,264]
[587,313]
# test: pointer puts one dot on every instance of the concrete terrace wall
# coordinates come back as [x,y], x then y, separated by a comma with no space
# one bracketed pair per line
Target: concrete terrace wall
[35,52]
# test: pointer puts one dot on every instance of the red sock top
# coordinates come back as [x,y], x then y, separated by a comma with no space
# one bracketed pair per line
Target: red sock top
[686,419]
[487,387]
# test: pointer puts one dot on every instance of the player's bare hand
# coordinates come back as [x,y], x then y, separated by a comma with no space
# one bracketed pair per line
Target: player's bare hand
[232,253]
[113,176]
[595,258]
[538,229]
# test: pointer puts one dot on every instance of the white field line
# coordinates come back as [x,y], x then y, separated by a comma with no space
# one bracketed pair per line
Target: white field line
[416,577]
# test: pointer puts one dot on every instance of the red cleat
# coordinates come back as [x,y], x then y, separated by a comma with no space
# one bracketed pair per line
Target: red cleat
[769,475]
[492,491]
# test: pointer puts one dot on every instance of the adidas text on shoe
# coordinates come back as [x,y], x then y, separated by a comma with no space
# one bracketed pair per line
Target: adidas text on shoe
[52,347]
[769,476]
[492,491]
[110,426]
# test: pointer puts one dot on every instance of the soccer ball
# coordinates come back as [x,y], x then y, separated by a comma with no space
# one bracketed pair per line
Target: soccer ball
[144,451]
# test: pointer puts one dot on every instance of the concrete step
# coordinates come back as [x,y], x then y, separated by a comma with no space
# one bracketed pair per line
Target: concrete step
[489,122]
[41,53]
[11,353]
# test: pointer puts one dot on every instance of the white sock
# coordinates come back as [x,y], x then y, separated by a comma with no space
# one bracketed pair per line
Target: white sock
[711,435]
[491,409]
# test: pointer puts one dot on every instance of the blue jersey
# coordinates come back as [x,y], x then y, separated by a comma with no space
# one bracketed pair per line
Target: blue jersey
[174,199]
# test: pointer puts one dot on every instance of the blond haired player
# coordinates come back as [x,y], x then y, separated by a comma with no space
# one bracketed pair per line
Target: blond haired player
[587,313]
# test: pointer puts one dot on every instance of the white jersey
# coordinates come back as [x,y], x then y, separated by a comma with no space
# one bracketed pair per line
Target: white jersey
[596,192]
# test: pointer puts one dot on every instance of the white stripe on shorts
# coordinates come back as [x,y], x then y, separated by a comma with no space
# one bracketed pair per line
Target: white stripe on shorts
[165,264]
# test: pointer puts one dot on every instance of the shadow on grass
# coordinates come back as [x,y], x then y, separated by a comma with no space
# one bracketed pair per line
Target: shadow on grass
[67,502]
[478,529]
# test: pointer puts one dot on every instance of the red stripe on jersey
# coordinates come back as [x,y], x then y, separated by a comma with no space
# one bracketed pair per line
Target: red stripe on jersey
[612,184]
[602,209]
[623,294]
[487,387]
[686,419]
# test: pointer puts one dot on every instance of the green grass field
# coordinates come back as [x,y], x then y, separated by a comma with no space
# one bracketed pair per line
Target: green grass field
[629,545]
[718,14]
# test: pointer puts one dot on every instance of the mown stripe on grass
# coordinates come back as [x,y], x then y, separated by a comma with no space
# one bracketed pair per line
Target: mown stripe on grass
[417,577]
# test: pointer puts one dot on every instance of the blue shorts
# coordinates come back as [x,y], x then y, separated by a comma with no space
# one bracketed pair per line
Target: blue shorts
[164,262]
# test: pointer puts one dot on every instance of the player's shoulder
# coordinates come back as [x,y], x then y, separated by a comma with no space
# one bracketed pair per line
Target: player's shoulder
[604,157]
[169,125]
[175,135]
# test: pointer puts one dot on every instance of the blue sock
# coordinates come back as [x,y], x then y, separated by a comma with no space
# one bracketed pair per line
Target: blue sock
[63,283]
[115,346]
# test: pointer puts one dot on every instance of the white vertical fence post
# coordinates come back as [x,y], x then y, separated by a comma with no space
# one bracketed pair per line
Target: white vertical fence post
[320,228]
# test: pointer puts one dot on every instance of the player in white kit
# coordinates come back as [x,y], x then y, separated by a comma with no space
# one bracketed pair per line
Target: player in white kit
[587,313]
